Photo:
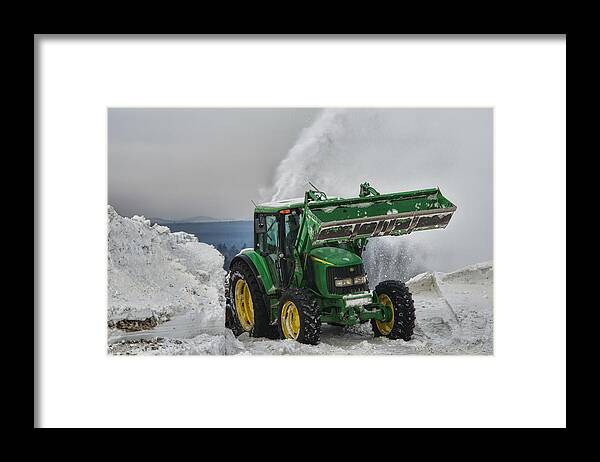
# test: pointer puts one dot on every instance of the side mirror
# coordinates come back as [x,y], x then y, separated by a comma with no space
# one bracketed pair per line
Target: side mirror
[259,225]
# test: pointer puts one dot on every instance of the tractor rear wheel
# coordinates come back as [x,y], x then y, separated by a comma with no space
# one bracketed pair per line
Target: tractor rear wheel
[300,316]
[400,322]
[231,320]
[248,312]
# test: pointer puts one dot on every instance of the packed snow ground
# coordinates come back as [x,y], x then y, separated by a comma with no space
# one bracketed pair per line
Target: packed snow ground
[173,278]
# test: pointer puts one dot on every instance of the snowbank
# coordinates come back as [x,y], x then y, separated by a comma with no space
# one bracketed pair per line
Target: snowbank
[480,273]
[155,274]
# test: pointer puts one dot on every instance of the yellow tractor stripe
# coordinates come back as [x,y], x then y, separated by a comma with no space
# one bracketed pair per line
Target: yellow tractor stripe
[321,261]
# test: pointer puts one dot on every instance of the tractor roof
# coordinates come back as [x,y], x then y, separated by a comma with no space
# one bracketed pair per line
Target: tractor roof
[276,206]
[297,202]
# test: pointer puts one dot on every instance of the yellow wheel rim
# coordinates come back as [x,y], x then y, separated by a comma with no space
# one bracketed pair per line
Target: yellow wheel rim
[290,320]
[385,327]
[243,305]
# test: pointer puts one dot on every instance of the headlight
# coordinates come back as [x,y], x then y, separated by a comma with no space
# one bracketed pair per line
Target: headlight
[343,282]
[360,279]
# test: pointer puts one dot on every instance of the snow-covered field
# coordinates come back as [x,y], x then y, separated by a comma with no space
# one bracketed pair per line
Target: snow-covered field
[175,285]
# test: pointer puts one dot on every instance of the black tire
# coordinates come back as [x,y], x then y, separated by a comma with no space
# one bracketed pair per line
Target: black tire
[404,310]
[262,326]
[310,315]
[231,320]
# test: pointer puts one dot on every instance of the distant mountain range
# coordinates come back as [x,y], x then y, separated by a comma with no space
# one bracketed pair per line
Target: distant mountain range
[196,219]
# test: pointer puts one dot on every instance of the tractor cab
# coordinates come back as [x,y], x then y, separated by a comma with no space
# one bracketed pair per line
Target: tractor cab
[275,233]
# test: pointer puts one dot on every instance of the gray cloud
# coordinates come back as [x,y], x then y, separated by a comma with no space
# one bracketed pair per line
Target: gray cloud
[177,163]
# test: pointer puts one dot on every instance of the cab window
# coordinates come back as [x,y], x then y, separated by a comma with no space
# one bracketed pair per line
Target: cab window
[292,222]
[272,234]
[266,230]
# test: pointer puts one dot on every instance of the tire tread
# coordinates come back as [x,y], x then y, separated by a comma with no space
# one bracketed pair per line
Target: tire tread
[404,310]
[310,315]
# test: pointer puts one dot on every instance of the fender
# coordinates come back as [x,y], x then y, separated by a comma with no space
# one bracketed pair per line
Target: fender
[260,271]
[259,268]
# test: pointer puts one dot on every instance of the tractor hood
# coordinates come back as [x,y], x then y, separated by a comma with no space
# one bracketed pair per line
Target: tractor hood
[394,214]
[333,256]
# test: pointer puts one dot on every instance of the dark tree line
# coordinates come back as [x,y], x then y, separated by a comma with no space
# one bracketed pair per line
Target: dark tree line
[229,252]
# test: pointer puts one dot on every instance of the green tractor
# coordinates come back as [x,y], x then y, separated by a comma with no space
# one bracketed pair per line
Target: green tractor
[306,268]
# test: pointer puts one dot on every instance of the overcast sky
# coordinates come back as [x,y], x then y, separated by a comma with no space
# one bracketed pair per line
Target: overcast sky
[179,163]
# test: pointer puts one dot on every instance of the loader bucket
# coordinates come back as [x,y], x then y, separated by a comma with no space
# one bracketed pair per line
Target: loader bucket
[394,214]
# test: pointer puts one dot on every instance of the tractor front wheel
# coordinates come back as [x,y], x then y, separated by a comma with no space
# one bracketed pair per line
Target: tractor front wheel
[400,311]
[300,317]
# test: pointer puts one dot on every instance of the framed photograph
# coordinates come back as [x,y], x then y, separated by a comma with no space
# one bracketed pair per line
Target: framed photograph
[226,224]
